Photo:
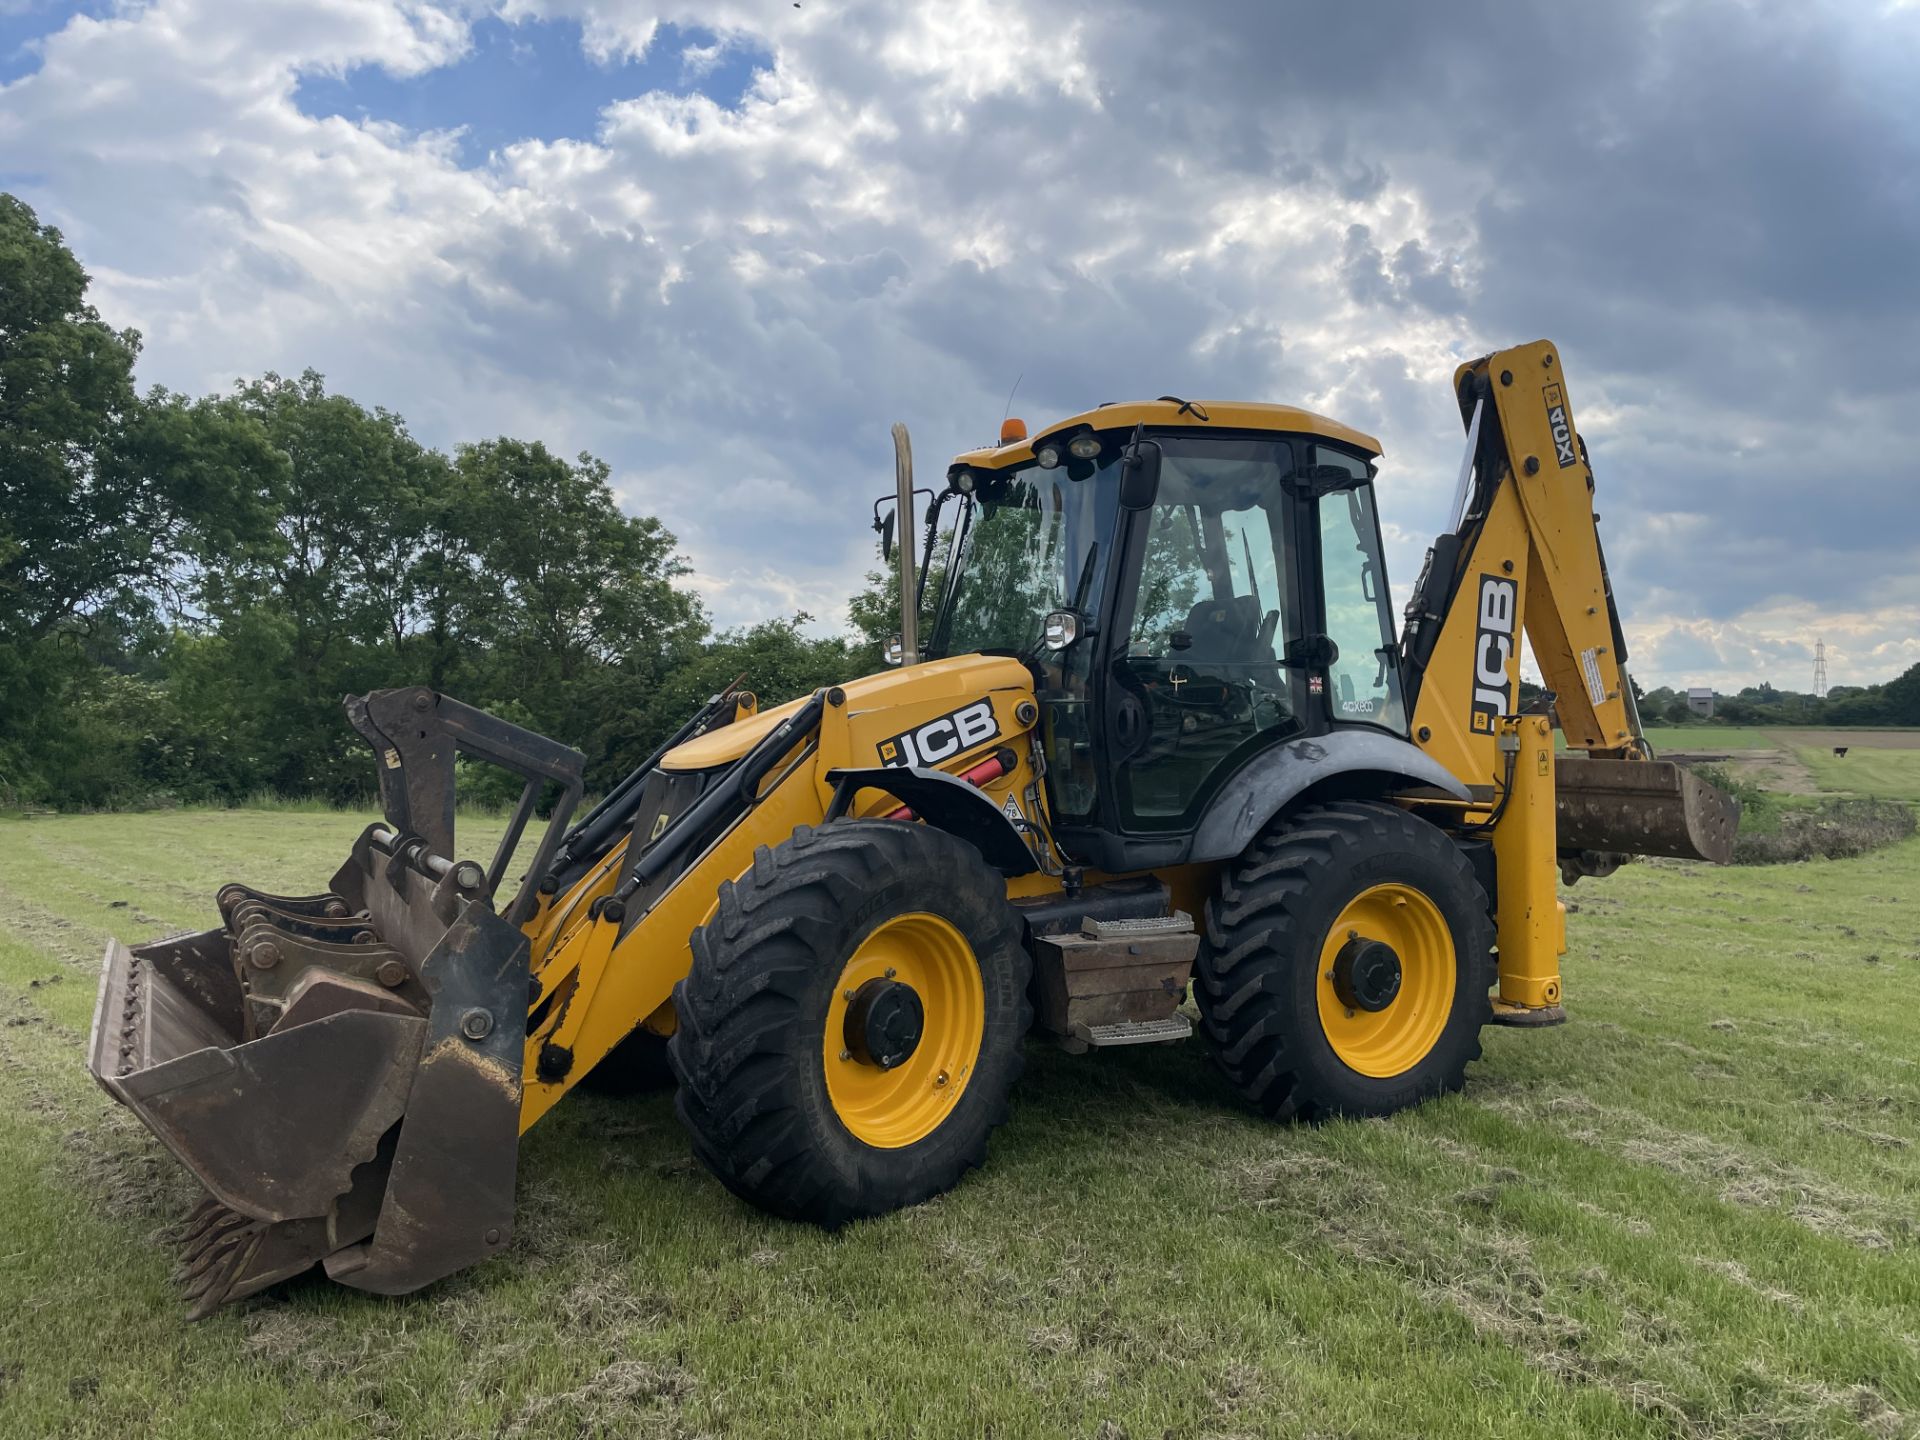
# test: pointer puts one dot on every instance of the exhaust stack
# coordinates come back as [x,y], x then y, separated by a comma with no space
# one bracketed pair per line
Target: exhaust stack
[909,584]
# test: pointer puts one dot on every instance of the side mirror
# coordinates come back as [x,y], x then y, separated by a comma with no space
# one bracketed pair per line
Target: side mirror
[1139,474]
[893,652]
[1063,627]
[886,538]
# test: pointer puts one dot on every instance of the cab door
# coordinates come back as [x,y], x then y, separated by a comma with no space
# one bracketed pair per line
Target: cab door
[1198,677]
[1364,678]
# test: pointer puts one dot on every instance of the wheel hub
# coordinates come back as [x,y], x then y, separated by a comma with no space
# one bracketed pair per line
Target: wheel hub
[885,1020]
[1366,974]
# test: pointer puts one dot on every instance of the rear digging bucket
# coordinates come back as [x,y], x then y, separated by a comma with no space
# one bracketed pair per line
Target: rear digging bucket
[1642,807]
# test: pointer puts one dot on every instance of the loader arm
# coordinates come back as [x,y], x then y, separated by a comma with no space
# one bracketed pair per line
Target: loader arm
[1523,559]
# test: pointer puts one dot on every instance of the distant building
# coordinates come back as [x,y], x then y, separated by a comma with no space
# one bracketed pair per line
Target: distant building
[1700,702]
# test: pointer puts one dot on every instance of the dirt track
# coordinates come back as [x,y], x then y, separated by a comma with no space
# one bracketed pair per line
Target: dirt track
[1864,739]
[1771,769]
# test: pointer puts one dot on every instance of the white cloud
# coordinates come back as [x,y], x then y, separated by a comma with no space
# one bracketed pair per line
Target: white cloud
[911,205]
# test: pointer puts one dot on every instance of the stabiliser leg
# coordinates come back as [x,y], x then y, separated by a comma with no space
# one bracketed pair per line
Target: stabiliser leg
[1531,921]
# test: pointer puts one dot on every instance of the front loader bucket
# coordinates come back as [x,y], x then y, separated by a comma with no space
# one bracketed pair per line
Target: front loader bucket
[1642,807]
[342,1071]
[352,1102]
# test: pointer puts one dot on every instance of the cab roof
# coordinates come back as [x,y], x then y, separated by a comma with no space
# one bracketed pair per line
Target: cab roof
[1198,414]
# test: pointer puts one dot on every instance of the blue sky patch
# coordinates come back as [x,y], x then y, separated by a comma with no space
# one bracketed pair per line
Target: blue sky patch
[530,81]
[22,24]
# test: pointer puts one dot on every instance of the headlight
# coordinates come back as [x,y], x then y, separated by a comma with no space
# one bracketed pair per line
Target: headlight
[1048,456]
[1084,447]
[962,481]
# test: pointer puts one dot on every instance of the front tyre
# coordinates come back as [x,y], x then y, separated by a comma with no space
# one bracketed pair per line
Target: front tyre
[1347,964]
[852,1022]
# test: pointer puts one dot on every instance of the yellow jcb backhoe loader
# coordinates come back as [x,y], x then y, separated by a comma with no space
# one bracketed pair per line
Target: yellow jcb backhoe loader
[1162,738]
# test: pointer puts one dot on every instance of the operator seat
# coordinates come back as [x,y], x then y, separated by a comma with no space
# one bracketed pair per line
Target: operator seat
[1226,638]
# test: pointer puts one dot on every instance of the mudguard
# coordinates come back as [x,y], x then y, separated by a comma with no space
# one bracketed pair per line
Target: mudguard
[1248,801]
[948,803]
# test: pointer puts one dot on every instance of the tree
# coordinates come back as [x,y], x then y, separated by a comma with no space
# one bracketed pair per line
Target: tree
[775,659]
[874,612]
[577,603]
[113,507]
[316,599]
[103,495]
[1901,698]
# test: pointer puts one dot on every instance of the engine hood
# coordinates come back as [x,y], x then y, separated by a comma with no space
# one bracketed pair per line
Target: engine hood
[962,678]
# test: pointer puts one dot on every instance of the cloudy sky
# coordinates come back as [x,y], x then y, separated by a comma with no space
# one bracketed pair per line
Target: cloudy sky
[724,244]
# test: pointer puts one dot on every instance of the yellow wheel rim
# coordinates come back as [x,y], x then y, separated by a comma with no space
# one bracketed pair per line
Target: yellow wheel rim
[1392,1040]
[889,1109]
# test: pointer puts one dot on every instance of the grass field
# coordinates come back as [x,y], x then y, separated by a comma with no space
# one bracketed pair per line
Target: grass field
[1689,1212]
[1883,764]
[1869,769]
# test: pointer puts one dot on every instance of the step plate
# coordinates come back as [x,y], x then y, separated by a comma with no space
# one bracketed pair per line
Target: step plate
[1137,1032]
[1149,927]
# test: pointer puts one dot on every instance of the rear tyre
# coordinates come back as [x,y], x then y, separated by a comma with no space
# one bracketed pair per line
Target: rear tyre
[852,1022]
[1346,965]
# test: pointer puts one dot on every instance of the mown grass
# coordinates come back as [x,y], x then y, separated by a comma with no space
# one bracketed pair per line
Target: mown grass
[1689,1212]
[1708,737]
[1885,740]
[1866,771]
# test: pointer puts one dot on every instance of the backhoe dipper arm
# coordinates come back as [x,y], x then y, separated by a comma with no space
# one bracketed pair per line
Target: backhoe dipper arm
[1524,558]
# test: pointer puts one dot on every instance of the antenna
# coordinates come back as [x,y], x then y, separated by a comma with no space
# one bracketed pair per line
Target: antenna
[1820,669]
[1010,394]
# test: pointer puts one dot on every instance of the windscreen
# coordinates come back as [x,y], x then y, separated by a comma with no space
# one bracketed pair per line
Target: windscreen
[1034,543]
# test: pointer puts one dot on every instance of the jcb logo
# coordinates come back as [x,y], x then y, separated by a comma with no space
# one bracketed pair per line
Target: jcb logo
[943,738]
[1563,447]
[1493,640]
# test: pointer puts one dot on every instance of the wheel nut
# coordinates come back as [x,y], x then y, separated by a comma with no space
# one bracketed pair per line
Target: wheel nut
[846,1054]
[476,1024]
[264,956]
[940,1079]
[891,972]
[391,973]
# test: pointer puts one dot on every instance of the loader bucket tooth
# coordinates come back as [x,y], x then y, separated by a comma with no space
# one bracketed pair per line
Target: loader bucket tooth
[1642,807]
[198,1220]
[226,1256]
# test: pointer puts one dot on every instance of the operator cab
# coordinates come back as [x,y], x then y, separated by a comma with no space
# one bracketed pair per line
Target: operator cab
[1191,585]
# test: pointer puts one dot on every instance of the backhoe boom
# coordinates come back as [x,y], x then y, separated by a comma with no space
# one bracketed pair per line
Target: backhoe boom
[1524,560]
